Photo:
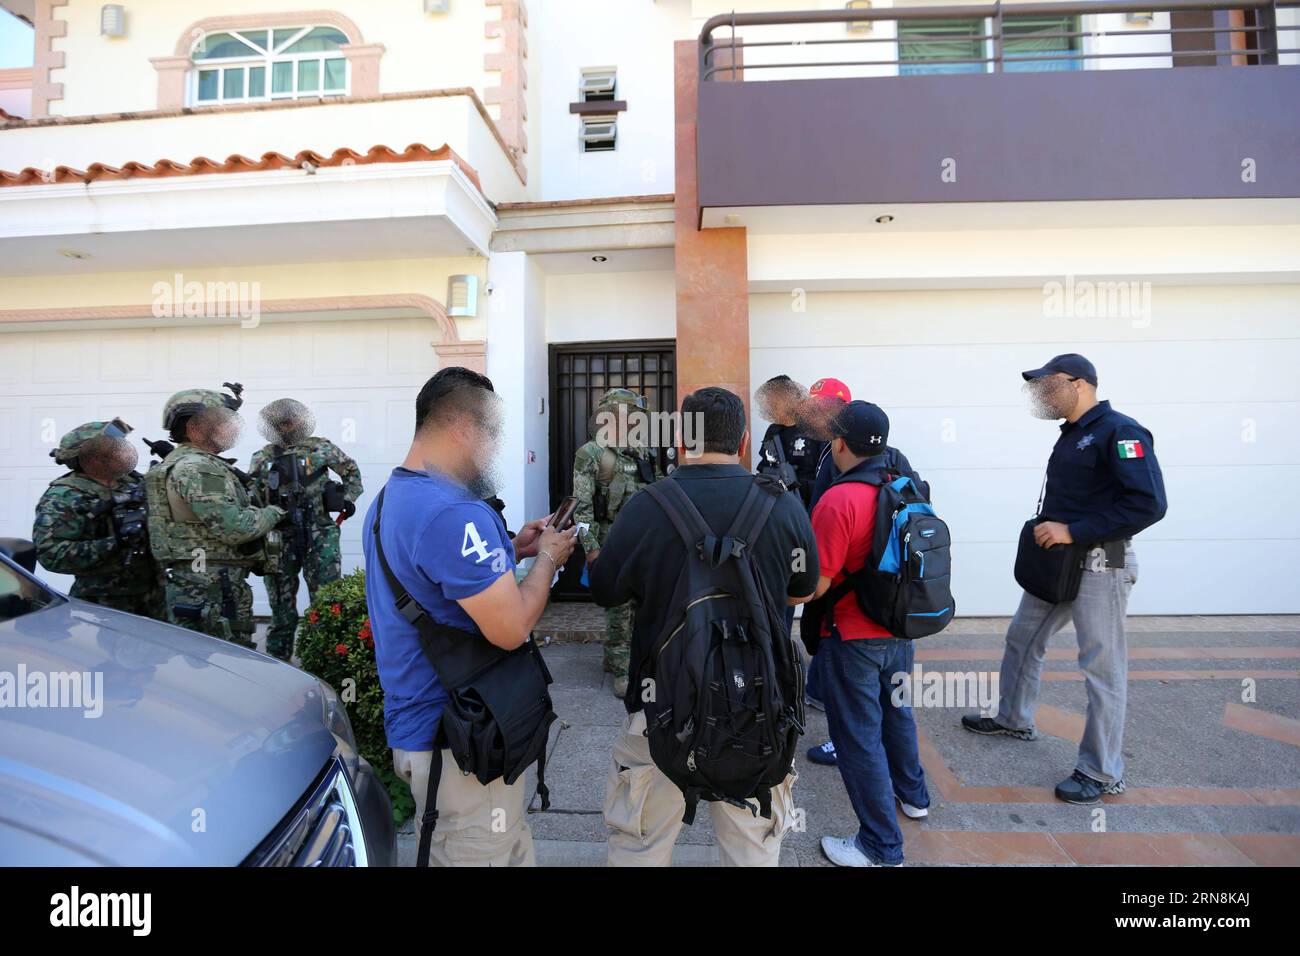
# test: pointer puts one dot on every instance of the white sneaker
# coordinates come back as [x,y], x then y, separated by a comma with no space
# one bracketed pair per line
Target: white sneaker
[843,851]
[913,813]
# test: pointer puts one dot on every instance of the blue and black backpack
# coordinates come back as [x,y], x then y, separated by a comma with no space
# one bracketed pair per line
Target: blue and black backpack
[906,584]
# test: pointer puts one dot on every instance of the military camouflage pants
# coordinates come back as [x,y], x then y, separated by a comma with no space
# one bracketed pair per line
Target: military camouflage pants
[217,601]
[148,604]
[321,566]
[618,638]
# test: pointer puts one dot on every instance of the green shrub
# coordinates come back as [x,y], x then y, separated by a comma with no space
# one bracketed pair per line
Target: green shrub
[335,643]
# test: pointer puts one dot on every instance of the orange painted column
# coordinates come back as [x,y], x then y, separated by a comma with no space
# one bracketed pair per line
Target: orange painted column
[711,265]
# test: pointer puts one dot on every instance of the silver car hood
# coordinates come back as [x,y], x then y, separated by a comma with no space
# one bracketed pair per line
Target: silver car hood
[199,749]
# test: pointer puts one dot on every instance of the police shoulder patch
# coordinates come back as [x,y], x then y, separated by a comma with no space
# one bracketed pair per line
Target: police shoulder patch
[1130,448]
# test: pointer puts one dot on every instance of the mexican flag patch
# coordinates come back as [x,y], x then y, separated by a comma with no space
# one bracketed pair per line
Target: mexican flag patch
[1130,448]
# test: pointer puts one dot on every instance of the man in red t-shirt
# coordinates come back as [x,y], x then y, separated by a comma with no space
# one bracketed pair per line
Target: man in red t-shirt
[875,737]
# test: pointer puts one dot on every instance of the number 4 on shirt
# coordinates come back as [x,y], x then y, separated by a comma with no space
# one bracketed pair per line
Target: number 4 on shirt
[473,543]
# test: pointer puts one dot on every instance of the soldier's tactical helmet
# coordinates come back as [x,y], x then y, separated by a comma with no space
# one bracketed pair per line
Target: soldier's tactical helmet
[191,401]
[622,396]
[71,444]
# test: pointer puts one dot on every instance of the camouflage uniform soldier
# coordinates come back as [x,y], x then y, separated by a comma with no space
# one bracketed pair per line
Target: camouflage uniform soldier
[91,521]
[204,530]
[292,472]
[606,474]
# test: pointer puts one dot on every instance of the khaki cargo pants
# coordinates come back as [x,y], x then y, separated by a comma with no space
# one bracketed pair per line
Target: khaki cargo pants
[477,825]
[643,810]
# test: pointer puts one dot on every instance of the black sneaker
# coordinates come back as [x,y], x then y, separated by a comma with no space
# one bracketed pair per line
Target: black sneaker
[1083,789]
[990,727]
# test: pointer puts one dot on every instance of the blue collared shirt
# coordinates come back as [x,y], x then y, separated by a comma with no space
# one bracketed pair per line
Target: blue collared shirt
[443,545]
[1103,480]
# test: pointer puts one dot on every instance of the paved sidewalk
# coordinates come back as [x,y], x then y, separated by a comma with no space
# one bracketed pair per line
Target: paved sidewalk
[1213,779]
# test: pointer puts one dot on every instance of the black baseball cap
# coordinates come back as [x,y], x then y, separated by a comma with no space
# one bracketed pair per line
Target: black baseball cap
[863,424]
[1072,364]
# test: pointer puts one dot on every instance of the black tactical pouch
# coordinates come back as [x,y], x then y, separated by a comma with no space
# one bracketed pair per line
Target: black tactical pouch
[333,497]
[1049,574]
[645,469]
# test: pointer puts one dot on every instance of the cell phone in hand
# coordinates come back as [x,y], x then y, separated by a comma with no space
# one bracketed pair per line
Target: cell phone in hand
[562,520]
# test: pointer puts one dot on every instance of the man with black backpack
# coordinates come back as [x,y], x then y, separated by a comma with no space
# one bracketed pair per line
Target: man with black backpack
[711,555]
[466,706]
[875,589]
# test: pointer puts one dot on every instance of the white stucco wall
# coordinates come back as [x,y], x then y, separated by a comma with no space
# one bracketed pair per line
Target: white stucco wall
[1210,372]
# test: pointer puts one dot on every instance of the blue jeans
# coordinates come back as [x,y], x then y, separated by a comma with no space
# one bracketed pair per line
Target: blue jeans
[875,741]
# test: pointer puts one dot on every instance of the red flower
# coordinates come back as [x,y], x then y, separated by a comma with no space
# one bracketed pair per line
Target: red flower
[365,632]
[341,650]
[311,615]
[336,609]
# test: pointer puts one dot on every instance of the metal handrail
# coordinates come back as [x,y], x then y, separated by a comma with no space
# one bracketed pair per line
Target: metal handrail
[1264,33]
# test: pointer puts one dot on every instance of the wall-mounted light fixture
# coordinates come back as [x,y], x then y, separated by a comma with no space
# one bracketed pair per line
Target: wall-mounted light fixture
[112,20]
[437,6]
[858,26]
[462,295]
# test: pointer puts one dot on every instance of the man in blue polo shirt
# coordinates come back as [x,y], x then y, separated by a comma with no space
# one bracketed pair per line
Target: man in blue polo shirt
[450,551]
[1103,486]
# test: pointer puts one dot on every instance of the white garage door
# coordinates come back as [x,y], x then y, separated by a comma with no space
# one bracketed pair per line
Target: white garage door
[359,377]
[1211,372]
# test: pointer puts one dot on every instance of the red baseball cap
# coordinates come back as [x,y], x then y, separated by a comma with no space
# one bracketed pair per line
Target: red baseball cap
[830,388]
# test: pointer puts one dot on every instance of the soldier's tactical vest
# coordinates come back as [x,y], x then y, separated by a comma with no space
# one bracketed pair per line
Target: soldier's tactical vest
[87,486]
[314,474]
[175,531]
[619,476]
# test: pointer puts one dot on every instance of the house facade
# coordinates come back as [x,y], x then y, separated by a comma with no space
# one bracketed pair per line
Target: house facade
[331,202]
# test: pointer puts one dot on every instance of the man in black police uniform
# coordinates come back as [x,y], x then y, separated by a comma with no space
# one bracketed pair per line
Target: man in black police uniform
[1103,487]
[778,400]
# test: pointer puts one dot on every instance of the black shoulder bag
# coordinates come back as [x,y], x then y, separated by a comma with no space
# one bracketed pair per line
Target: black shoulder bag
[1049,574]
[498,712]
[781,470]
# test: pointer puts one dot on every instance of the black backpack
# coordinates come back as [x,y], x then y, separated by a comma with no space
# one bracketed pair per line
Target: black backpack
[722,687]
[498,713]
[906,584]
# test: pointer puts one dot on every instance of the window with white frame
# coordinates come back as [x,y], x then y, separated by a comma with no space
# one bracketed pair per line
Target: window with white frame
[598,132]
[285,63]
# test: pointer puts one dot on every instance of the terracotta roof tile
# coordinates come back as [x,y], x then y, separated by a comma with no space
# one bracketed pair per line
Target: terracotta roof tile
[235,163]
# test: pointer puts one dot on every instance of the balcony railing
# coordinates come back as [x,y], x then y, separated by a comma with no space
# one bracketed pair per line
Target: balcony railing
[1241,34]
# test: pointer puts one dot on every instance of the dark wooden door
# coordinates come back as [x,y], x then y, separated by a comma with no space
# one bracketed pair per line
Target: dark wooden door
[580,373]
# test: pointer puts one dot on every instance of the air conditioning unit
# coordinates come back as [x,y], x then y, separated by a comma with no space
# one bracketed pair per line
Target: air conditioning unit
[462,295]
[1139,17]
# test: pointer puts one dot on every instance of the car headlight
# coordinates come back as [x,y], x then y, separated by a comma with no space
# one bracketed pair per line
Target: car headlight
[335,717]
